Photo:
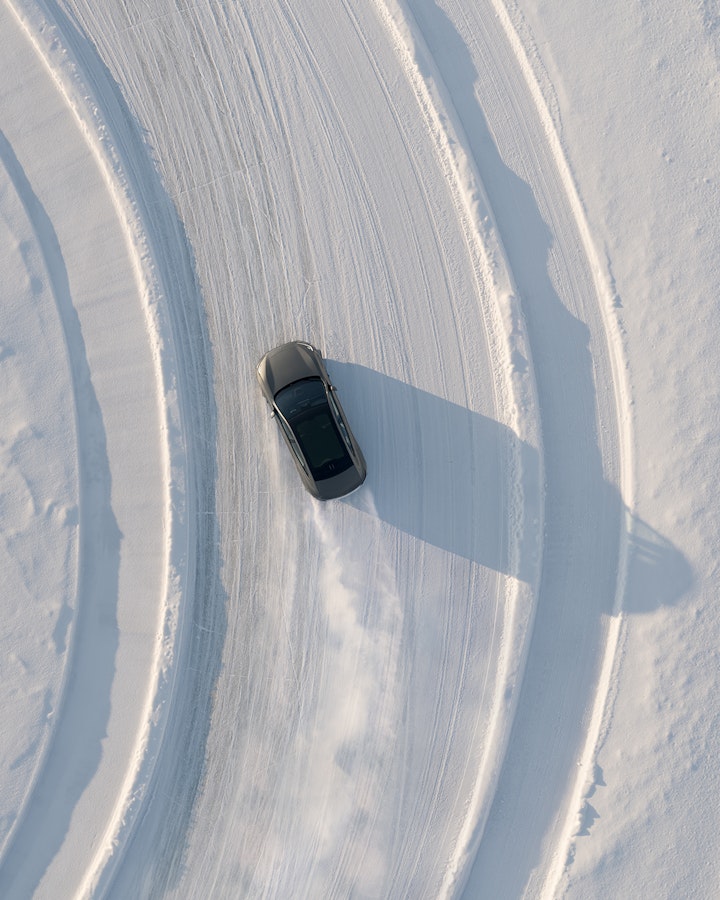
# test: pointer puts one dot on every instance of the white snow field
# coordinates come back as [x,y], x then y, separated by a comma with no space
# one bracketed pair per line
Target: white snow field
[492,671]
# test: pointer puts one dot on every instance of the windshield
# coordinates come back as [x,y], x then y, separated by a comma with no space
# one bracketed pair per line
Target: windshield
[304,406]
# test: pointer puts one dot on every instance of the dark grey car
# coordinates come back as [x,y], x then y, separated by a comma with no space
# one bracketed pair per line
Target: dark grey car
[298,390]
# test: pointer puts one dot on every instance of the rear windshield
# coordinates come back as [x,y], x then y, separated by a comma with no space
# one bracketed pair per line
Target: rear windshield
[305,407]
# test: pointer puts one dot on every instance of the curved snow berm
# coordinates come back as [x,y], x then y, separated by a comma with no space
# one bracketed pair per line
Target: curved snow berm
[580,376]
[38,484]
[516,401]
[75,168]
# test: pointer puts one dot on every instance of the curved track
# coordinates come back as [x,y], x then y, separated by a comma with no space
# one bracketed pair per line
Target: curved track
[366,660]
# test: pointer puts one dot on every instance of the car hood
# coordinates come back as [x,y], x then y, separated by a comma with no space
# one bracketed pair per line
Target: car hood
[286,364]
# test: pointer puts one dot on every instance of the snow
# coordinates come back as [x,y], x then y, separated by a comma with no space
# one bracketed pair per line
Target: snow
[491,672]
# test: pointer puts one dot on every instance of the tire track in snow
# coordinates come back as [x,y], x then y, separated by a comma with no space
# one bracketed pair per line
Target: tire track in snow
[433,777]
[513,392]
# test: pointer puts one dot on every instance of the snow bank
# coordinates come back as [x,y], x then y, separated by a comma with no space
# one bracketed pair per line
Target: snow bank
[132,545]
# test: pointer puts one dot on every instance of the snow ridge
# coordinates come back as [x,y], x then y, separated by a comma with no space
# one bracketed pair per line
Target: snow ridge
[515,401]
[622,392]
[157,618]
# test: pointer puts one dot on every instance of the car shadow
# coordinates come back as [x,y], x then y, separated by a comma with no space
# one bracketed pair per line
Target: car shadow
[436,469]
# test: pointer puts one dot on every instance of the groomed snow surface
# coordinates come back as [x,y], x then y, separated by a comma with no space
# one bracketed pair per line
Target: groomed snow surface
[489,673]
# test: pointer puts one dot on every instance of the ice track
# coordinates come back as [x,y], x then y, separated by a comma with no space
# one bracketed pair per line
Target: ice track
[362,698]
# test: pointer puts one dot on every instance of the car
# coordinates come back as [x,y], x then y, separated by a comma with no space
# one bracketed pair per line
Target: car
[303,400]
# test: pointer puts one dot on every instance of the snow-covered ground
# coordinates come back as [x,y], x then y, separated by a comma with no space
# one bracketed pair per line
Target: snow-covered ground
[492,671]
